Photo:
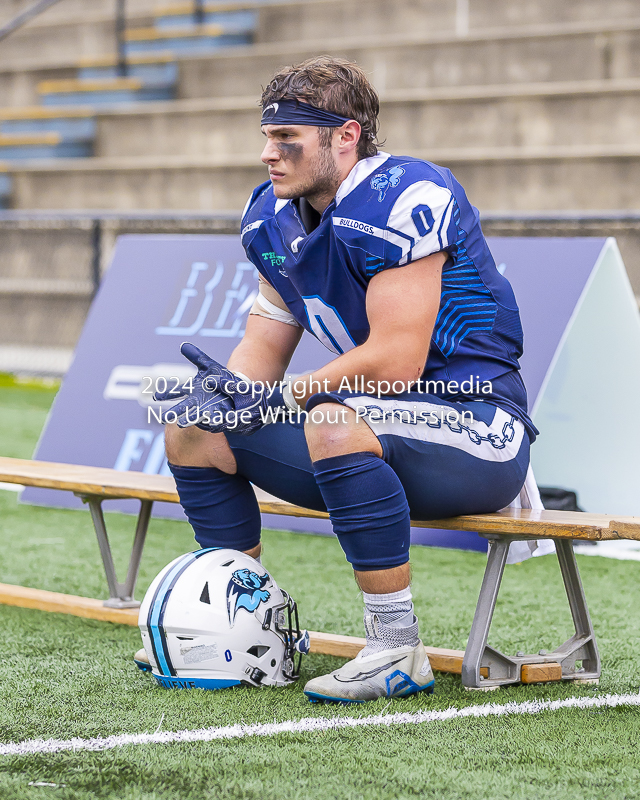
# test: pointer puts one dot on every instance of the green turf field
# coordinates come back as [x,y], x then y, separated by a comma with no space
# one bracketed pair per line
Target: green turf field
[63,677]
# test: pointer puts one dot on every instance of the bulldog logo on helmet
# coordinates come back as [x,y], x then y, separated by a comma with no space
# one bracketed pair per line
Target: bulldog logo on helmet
[245,591]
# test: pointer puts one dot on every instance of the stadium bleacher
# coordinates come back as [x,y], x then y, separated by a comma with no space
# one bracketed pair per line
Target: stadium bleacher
[533,105]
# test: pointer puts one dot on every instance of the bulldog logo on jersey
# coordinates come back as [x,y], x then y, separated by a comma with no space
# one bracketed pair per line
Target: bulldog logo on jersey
[383,180]
[245,590]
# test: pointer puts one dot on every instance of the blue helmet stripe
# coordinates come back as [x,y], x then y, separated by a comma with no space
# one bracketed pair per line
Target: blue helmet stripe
[158,640]
[157,608]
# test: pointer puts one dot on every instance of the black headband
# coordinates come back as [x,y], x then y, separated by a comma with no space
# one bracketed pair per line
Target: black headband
[295,112]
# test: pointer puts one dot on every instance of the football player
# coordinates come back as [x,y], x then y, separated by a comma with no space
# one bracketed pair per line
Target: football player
[420,412]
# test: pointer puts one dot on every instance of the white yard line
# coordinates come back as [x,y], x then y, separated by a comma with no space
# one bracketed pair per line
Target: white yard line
[314,725]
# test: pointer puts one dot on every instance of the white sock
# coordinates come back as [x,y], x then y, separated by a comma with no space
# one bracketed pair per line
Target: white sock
[389,621]
[394,610]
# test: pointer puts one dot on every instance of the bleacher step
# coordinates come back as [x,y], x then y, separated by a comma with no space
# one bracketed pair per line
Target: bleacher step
[230,19]
[109,91]
[151,69]
[597,50]
[45,145]
[70,126]
[419,61]
[201,39]
[571,114]
[53,43]
[286,22]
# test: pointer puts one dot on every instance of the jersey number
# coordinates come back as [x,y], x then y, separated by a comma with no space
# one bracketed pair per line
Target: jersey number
[423,219]
[327,325]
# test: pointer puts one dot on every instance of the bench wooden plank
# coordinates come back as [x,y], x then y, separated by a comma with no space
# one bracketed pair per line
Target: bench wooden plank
[87,607]
[514,521]
[332,644]
[114,484]
[625,527]
[102,482]
[442,659]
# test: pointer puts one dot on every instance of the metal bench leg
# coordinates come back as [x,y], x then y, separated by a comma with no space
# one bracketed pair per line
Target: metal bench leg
[120,594]
[478,656]
[484,667]
[582,645]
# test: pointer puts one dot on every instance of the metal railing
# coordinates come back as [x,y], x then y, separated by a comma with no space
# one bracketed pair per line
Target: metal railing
[199,12]
[121,41]
[25,16]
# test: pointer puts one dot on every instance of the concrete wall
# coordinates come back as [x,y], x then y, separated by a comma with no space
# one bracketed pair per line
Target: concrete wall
[509,57]
[602,113]
[19,87]
[73,9]
[55,252]
[496,179]
[133,184]
[46,320]
[308,19]
[49,44]
[196,129]
[45,283]
[419,62]
[625,229]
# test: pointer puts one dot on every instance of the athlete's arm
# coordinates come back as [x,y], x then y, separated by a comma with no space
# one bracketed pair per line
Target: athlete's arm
[402,305]
[265,349]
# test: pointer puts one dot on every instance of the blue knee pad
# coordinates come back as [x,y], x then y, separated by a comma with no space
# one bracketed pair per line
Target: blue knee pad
[222,509]
[368,509]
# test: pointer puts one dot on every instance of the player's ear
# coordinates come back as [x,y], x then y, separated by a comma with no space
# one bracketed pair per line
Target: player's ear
[349,136]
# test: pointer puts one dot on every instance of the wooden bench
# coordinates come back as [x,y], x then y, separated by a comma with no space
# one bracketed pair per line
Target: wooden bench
[481,666]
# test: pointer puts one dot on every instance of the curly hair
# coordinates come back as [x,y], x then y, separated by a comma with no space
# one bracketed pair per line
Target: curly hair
[334,84]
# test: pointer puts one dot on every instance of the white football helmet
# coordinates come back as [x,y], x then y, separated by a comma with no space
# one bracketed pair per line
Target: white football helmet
[216,618]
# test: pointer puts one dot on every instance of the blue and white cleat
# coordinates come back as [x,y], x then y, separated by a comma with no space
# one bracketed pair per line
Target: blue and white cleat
[397,672]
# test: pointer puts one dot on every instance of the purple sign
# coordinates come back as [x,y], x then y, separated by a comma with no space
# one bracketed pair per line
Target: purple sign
[158,292]
[163,290]
[548,276]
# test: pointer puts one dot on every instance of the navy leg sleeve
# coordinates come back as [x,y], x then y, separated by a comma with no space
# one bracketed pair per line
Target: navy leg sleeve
[368,509]
[222,509]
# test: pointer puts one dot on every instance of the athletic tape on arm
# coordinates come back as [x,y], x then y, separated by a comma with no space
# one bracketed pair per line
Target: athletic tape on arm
[269,304]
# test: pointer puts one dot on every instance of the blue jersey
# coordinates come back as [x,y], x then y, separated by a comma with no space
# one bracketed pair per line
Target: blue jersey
[390,211]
